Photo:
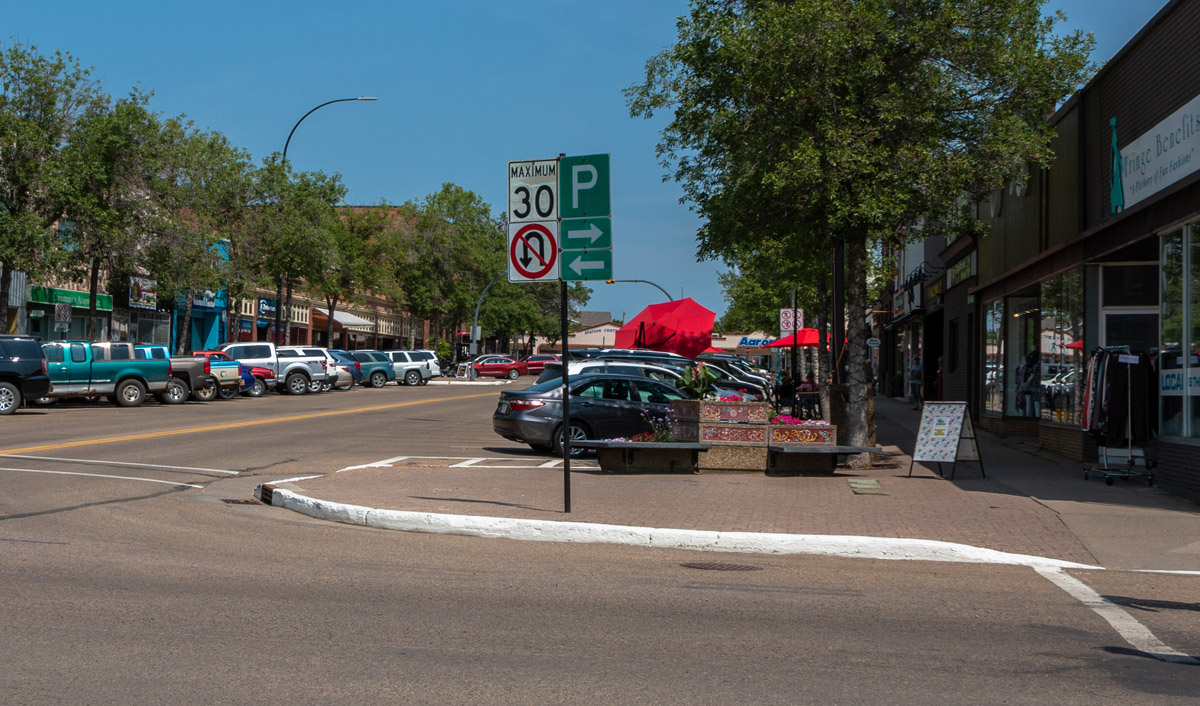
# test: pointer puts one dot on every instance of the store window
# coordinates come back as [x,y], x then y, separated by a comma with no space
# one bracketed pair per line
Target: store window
[993,388]
[1023,383]
[1179,357]
[1062,352]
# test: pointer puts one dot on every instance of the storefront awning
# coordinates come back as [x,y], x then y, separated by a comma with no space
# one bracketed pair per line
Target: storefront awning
[348,321]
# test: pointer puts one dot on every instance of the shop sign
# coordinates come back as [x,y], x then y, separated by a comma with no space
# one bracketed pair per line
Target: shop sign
[266,312]
[960,271]
[1167,153]
[143,293]
[1171,383]
[748,342]
[50,295]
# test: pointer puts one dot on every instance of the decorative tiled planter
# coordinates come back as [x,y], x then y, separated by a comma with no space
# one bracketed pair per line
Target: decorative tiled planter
[800,435]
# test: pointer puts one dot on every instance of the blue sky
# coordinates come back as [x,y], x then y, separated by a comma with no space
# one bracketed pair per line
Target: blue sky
[464,87]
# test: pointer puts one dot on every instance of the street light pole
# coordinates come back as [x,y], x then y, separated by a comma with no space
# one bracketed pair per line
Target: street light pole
[279,289]
[643,281]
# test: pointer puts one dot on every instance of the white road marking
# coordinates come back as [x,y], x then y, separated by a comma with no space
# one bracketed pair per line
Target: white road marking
[101,475]
[473,462]
[1133,632]
[120,463]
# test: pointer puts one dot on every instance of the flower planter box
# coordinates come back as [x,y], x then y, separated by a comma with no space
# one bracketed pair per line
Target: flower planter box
[722,411]
[645,457]
[718,433]
[801,435]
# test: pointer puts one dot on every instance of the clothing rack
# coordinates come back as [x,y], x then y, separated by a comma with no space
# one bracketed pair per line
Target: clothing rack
[1103,389]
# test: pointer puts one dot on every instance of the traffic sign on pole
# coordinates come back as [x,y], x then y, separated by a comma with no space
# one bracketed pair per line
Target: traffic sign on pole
[585,233]
[533,190]
[583,184]
[586,265]
[533,252]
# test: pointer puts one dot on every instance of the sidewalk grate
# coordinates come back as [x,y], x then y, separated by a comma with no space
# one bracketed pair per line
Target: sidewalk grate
[717,566]
[240,501]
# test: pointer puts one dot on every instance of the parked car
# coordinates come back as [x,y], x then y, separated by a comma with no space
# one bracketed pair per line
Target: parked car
[411,368]
[499,366]
[536,363]
[295,368]
[23,372]
[86,369]
[435,364]
[377,367]
[352,367]
[255,379]
[330,364]
[190,378]
[603,406]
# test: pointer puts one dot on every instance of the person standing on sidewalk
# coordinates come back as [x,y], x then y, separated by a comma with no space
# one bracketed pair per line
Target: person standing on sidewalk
[915,371]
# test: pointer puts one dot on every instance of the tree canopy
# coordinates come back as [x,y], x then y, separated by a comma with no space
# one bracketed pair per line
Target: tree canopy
[845,121]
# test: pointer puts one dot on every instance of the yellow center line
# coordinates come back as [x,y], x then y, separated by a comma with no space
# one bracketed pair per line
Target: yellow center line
[234,425]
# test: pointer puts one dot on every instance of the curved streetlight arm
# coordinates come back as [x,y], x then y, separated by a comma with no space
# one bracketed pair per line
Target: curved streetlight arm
[475,324]
[643,281]
[336,100]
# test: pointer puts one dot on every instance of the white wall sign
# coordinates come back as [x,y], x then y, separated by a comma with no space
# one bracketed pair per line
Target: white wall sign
[1164,155]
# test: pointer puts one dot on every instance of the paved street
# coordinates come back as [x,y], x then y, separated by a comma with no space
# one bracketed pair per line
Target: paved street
[126,584]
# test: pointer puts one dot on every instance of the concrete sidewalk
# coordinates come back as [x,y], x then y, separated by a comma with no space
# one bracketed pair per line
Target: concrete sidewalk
[1031,503]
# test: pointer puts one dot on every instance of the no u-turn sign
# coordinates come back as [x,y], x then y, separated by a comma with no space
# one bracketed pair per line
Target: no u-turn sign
[533,251]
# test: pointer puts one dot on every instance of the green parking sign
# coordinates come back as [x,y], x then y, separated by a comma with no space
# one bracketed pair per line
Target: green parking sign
[584,187]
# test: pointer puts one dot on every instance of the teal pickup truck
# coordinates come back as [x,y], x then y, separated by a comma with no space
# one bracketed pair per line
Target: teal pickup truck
[83,369]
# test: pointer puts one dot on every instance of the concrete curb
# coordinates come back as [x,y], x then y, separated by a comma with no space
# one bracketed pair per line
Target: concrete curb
[697,540]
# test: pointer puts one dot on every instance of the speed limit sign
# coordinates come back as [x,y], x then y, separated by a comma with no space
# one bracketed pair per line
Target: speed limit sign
[533,190]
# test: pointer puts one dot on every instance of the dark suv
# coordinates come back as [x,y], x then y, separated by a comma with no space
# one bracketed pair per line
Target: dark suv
[22,371]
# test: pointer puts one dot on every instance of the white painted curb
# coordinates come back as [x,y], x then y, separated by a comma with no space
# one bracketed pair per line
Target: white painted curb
[699,540]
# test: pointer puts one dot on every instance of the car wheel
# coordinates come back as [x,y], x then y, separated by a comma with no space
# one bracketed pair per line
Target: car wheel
[257,389]
[579,432]
[514,374]
[314,386]
[227,393]
[296,384]
[10,398]
[326,386]
[206,394]
[378,378]
[43,401]
[424,381]
[412,377]
[176,393]
[130,393]
[347,386]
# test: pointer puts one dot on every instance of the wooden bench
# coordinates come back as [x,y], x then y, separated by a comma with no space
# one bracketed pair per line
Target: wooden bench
[645,456]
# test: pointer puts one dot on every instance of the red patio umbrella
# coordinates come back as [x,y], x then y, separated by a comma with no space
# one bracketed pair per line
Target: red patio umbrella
[803,337]
[682,327]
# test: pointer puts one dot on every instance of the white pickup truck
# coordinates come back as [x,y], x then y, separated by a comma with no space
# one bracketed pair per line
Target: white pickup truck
[293,368]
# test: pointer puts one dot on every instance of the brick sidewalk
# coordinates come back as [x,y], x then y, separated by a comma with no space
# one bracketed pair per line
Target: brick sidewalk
[977,512]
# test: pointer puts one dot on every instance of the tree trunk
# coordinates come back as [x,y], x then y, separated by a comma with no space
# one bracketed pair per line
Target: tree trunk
[279,310]
[331,303]
[287,315]
[820,362]
[856,306]
[183,336]
[93,285]
[5,284]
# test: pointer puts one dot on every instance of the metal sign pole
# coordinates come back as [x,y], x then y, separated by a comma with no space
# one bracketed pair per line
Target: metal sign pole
[566,404]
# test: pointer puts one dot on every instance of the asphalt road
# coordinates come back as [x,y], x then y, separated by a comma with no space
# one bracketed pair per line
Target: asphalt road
[127,583]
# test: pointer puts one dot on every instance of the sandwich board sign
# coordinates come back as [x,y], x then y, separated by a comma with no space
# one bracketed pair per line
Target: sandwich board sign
[946,435]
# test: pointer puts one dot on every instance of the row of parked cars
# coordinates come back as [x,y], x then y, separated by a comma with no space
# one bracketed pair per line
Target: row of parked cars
[614,394]
[129,373]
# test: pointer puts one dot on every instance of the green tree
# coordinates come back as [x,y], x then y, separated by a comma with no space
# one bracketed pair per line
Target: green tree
[41,98]
[358,239]
[850,121]
[293,218]
[113,160]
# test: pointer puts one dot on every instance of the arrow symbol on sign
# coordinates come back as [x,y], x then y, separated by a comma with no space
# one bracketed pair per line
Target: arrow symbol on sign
[540,249]
[578,266]
[593,233]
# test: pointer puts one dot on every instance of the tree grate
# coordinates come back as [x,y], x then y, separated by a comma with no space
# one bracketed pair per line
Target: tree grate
[717,566]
